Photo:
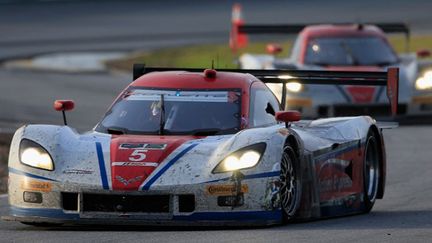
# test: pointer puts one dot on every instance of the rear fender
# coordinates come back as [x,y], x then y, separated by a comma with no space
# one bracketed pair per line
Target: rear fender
[383,159]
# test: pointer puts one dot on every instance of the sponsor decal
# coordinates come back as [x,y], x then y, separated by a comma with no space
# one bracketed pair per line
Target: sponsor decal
[335,175]
[41,186]
[427,99]
[148,164]
[335,184]
[299,102]
[77,172]
[284,131]
[128,181]
[272,199]
[219,190]
[151,146]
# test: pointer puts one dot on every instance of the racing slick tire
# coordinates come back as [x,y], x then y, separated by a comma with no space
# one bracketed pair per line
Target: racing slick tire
[371,172]
[290,189]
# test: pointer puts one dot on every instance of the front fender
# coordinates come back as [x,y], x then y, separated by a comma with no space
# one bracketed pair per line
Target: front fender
[76,157]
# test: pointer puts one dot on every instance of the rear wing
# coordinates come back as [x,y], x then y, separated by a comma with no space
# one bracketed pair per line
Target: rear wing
[296,28]
[239,30]
[389,78]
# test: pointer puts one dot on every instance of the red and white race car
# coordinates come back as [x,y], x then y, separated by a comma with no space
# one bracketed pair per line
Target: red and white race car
[342,46]
[201,147]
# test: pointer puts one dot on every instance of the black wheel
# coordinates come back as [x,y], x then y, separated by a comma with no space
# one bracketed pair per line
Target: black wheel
[371,172]
[290,189]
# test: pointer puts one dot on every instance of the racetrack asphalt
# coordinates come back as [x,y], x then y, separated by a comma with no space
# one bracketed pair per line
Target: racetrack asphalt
[404,215]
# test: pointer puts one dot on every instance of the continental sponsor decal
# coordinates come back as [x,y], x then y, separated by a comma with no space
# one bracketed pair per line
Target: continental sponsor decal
[219,190]
[40,186]
[422,99]
[299,102]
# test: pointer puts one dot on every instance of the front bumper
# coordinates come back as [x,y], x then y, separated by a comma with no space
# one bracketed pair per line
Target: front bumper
[65,203]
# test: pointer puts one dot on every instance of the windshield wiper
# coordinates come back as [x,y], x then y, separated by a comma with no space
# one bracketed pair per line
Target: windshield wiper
[324,64]
[384,63]
[162,116]
[206,131]
[116,130]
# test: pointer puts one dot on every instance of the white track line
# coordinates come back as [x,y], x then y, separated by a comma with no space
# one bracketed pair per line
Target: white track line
[3,195]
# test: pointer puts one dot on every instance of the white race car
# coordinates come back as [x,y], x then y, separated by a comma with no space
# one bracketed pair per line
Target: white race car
[201,147]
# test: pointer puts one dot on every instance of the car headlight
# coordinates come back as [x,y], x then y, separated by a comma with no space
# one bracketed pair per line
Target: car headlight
[34,155]
[294,87]
[243,158]
[424,81]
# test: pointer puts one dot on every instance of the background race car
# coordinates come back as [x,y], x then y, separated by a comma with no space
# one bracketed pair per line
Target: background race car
[341,46]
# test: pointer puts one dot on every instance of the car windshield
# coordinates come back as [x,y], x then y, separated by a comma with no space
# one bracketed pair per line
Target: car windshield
[349,51]
[192,112]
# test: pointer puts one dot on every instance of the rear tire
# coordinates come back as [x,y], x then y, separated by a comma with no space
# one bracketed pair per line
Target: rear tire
[290,189]
[371,172]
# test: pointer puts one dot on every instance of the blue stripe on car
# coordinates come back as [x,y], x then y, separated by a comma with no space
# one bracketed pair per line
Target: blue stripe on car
[18,172]
[215,216]
[380,90]
[343,93]
[42,212]
[167,166]
[103,173]
[333,154]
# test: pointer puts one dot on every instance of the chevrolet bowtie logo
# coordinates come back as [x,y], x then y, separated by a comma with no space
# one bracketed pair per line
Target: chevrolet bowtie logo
[130,181]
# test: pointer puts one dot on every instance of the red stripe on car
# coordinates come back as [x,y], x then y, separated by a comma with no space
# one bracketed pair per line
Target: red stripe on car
[135,157]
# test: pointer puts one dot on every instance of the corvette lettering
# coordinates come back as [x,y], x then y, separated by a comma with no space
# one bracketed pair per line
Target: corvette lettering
[77,172]
[148,164]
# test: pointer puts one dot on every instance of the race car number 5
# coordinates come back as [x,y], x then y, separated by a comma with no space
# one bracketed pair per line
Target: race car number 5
[138,155]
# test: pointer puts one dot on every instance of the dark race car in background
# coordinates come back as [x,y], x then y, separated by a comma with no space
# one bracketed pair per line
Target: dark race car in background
[342,46]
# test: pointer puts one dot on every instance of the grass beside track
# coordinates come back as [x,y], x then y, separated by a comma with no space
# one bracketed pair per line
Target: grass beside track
[202,55]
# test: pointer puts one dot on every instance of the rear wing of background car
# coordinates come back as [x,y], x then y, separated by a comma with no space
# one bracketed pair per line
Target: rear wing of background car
[240,30]
[389,78]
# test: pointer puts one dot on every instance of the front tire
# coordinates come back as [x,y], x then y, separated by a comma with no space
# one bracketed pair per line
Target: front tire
[290,189]
[371,172]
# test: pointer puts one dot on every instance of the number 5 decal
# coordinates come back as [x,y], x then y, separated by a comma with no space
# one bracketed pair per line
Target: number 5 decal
[138,155]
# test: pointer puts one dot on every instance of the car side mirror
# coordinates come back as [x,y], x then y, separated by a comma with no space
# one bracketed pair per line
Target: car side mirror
[64,105]
[423,53]
[287,116]
[274,49]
